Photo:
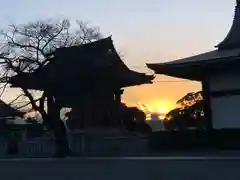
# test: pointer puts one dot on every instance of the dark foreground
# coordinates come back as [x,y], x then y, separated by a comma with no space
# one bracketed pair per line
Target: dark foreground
[189,168]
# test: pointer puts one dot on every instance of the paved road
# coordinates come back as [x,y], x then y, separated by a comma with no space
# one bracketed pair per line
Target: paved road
[182,168]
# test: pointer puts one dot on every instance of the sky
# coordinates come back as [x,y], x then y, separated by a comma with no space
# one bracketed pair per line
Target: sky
[143,31]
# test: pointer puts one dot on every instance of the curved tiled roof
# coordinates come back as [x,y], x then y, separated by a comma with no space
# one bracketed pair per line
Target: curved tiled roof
[232,39]
[78,63]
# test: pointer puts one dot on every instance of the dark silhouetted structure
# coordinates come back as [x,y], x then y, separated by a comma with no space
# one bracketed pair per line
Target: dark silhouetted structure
[218,71]
[6,128]
[6,112]
[87,78]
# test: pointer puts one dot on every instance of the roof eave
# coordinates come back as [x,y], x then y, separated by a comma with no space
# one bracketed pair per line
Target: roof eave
[193,70]
[133,78]
[173,71]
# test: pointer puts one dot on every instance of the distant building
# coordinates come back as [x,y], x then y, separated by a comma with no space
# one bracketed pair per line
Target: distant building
[154,117]
[8,111]
[7,114]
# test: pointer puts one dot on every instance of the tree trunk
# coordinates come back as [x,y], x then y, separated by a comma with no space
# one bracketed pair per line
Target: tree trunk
[53,121]
[58,128]
[61,140]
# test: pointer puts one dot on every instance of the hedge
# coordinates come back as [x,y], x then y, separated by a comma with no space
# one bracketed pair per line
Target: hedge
[192,139]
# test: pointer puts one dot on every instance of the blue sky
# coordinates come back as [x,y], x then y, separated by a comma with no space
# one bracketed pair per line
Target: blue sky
[143,31]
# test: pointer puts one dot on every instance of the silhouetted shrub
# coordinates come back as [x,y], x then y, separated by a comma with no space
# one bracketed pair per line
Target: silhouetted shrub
[193,139]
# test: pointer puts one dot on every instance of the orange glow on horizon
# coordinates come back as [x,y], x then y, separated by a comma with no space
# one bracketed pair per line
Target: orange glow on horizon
[159,107]
[162,107]
[161,116]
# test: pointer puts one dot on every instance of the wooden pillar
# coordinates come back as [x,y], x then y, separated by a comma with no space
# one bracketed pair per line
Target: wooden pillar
[50,106]
[53,107]
[117,102]
[90,114]
[78,114]
[84,112]
[207,102]
[108,110]
[102,109]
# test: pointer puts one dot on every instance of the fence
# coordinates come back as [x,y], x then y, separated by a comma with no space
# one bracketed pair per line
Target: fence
[82,144]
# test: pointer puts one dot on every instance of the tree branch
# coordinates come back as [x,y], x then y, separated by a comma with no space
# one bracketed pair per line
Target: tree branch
[4,88]
[15,99]
[32,101]
[25,48]
[52,38]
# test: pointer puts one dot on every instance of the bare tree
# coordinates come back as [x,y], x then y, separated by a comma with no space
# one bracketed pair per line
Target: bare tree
[24,48]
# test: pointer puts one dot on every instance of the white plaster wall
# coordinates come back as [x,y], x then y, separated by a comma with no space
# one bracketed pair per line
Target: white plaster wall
[225,110]
[224,82]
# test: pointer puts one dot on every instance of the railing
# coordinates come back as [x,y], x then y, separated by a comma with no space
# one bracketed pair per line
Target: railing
[82,144]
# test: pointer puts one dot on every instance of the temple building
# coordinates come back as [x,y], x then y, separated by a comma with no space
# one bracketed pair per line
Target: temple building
[218,70]
[88,78]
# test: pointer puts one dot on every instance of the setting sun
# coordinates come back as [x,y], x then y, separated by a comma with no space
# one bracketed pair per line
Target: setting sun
[162,107]
[159,108]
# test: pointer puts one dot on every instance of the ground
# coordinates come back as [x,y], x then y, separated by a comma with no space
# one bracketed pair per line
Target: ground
[159,168]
